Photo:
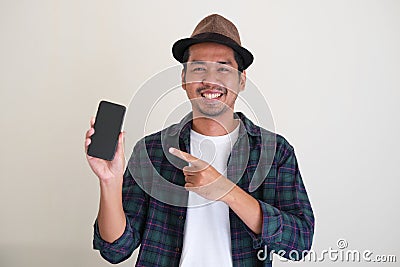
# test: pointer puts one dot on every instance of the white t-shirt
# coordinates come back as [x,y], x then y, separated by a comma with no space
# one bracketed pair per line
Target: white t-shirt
[207,237]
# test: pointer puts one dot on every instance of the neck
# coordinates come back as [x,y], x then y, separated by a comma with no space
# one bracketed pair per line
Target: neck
[214,126]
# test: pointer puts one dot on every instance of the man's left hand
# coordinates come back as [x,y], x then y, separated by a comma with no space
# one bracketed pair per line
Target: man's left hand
[202,178]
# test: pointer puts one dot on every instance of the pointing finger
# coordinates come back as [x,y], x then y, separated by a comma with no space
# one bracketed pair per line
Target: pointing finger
[182,155]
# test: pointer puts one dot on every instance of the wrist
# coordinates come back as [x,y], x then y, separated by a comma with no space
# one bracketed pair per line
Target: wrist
[229,197]
[110,194]
[111,184]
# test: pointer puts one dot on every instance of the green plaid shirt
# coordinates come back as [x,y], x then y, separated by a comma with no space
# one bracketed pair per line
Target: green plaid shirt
[288,220]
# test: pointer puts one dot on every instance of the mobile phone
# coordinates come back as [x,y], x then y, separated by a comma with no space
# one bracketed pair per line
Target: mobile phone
[107,127]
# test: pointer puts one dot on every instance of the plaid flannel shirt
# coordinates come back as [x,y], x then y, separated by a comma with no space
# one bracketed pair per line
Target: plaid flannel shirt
[288,220]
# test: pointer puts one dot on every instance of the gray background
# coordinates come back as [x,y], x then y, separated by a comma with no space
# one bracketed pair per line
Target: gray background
[329,69]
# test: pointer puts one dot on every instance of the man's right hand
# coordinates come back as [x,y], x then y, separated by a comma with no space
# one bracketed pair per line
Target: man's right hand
[107,171]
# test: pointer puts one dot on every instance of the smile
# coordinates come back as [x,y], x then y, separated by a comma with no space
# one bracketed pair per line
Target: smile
[211,95]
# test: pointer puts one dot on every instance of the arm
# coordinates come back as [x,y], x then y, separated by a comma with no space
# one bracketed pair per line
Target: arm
[111,217]
[287,224]
[246,207]
[288,221]
[118,224]
[134,202]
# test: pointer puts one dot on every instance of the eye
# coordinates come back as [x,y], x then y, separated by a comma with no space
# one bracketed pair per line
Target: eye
[198,69]
[223,69]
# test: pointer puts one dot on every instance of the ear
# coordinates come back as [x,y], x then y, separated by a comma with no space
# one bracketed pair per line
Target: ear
[183,79]
[242,81]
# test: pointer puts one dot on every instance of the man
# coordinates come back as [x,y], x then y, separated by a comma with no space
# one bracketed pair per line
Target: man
[226,221]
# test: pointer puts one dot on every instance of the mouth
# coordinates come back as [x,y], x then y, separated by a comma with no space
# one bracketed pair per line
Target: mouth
[213,95]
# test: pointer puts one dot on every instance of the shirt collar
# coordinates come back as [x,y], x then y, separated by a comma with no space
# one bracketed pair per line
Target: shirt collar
[184,126]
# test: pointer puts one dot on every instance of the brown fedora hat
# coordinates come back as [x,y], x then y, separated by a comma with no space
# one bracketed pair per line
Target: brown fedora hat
[214,28]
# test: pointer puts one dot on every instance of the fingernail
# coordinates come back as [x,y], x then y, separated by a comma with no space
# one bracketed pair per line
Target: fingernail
[171,150]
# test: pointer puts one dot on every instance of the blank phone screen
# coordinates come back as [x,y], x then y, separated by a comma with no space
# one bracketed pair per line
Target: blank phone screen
[107,127]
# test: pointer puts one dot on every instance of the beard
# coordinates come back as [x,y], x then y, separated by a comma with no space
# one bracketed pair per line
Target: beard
[209,110]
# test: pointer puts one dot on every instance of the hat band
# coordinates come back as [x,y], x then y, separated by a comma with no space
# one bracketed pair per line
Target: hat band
[212,37]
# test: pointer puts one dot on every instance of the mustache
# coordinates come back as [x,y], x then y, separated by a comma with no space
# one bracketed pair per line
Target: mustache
[219,88]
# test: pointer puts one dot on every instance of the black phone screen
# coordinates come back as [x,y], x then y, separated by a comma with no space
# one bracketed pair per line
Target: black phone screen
[107,127]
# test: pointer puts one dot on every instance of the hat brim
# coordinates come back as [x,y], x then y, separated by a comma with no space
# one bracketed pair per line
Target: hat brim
[180,46]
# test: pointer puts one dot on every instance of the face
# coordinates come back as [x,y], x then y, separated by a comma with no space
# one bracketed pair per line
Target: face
[211,80]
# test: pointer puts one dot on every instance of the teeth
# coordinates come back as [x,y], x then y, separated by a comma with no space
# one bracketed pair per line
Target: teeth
[212,96]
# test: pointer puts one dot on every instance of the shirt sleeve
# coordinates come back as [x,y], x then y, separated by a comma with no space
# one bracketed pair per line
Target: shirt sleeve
[288,224]
[135,207]
[117,251]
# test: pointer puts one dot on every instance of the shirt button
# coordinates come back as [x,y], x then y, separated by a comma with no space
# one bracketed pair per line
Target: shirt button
[181,217]
[177,249]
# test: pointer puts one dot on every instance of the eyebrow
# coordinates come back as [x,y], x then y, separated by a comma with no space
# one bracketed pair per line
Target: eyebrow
[225,62]
[197,62]
[204,62]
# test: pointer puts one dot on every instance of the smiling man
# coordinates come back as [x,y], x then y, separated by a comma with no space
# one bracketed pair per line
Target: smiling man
[225,222]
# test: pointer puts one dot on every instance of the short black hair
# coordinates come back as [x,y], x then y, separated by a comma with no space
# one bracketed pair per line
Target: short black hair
[238,59]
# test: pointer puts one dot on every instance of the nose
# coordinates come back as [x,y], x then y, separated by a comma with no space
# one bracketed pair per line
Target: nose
[211,78]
